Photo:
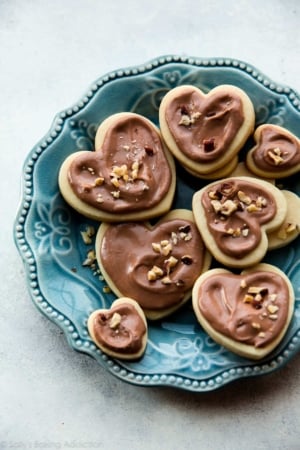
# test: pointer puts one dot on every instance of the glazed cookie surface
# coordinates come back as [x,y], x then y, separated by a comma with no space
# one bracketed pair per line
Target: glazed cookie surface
[130,176]
[154,264]
[234,216]
[206,131]
[120,331]
[247,313]
[276,153]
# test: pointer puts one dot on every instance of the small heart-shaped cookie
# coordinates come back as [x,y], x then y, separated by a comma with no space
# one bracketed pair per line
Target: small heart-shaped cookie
[156,265]
[247,313]
[206,131]
[120,331]
[289,230]
[276,153]
[130,176]
[234,216]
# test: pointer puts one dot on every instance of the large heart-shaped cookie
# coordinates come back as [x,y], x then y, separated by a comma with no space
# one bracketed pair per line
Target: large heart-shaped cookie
[156,265]
[276,153]
[130,176]
[206,131]
[248,313]
[234,217]
[120,331]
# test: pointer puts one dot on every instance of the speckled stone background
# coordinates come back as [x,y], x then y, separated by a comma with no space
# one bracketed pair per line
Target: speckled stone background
[50,396]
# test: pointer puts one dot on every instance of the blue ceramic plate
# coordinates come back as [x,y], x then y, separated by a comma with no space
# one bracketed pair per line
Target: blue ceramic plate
[48,232]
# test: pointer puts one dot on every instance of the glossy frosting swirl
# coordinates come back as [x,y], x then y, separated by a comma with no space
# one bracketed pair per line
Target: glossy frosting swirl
[277,150]
[130,171]
[156,267]
[225,302]
[235,211]
[120,329]
[204,126]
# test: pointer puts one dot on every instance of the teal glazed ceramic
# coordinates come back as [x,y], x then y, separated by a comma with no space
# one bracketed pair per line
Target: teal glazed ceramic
[48,232]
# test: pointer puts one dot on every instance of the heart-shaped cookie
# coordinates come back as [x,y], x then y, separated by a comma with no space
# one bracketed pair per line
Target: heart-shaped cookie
[276,153]
[247,313]
[130,176]
[234,216]
[206,131]
[289,230]
[120,331]
[156,265]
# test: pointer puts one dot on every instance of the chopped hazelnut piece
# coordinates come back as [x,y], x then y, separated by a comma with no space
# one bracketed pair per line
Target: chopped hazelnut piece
[261,202]
[90,258]
[253,208]
[248,298]
[213,195]
[174,238]
[115,182]
[115,320]
[272,309]
[244,198]
[261,334]
[228,207]
[171,262]
[245,232]
[285,230]
[99,181]
[99,198]
[166,280]
[217,205]
[115,194]
[276,156]
[273,316]
[156,247]
[243,284]
[187,120]
[166,249]
[88,234]
[155,273]
[256,325]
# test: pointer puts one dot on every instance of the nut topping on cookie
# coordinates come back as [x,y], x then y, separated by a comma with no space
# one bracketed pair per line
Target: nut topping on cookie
[130,175]
[258,308]
[232,216]
[276,153]
[162,265]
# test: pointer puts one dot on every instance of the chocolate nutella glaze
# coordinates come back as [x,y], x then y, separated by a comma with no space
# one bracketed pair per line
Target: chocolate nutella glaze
[235,211]
[251,309]
[156,267]
[129,173]
[204,126]
[276,150]
[120,329]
